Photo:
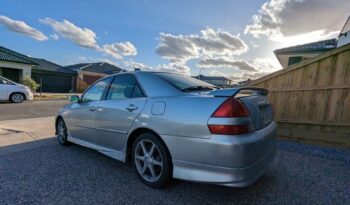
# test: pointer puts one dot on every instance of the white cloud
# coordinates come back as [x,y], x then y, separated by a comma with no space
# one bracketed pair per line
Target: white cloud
[54,36]
[118,50]
[209,43]
[253,44]
[174,67]
[176,48]
[219,42]
[308,20]
[269,64]
[131,65]
[262,66]
[22,28]
[226,63]
[217,73]
[83,37]
[171,67]
[210,47]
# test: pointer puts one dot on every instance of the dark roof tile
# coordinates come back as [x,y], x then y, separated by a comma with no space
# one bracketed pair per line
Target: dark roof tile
[104,68]
[12,56]
[49,66]
[324,45]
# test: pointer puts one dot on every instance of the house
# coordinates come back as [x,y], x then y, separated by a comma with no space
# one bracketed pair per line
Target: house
[344,35]
[88,73]
[219,81]
[53,77]
[294,54]
[15,66]
[244,82]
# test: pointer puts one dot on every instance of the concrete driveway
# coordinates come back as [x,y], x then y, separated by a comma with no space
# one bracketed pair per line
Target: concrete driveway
[35,169]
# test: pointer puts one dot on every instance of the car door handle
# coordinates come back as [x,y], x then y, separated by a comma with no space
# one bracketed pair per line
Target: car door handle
[132,107]
[92,108]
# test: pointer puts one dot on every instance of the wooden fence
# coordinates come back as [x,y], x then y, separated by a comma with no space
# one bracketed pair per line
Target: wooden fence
[311,99]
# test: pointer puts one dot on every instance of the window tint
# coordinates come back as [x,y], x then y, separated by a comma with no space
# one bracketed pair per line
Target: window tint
[182,82]
[2,81]
[6,81]
[96,91]
[124,86]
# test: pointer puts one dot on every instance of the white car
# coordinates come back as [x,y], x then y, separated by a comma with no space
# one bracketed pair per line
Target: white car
[14,92]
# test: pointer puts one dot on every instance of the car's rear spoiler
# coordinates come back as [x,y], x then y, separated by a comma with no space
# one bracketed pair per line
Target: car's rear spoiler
[228,92]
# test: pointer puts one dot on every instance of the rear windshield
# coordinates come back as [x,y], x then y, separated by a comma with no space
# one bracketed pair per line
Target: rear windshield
[182,82]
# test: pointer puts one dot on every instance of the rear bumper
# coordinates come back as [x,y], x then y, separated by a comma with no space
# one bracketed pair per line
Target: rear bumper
[233,177]
[225,160]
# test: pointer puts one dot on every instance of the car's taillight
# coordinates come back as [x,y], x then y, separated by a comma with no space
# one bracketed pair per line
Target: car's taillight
[229,129]
[231,108]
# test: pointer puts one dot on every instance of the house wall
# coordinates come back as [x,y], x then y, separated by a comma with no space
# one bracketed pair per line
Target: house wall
[344,37]
[284,58]
[26,69]
[85,79]
[311,99]
[343,40]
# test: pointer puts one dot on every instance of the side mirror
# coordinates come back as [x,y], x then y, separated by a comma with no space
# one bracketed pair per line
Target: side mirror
[74,99]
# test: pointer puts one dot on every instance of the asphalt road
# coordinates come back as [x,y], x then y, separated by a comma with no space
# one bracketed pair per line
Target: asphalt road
[53,174]
[30,109]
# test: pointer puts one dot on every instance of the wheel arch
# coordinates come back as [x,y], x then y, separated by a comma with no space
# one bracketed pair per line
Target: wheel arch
[137,132]
[14,92]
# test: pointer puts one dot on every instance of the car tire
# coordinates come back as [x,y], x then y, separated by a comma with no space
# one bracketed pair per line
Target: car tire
[61,131]
[17,97]
[154,167]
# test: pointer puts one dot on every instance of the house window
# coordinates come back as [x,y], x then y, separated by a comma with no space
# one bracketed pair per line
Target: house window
[294,60]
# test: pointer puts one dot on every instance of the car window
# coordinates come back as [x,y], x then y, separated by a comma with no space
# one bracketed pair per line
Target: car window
[2,81]
[6,81]
[124,86]
[182,82]
[95,92]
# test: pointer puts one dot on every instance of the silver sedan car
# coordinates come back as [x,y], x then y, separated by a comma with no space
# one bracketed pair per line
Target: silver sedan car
[173,126]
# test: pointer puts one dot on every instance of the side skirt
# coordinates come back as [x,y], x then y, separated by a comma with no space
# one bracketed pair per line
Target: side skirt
[118,155]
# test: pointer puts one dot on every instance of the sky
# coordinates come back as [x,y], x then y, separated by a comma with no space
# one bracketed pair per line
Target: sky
[231,38]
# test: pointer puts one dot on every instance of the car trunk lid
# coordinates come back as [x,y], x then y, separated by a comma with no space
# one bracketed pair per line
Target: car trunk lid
[254,99]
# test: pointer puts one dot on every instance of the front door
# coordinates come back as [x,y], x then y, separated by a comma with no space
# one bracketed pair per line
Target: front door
[115,115]
[81,117]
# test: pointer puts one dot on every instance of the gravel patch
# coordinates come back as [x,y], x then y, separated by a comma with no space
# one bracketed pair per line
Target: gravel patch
[54,174]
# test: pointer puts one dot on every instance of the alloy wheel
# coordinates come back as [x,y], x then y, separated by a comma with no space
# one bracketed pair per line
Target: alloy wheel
[61,132]
[148,160]
[17,98]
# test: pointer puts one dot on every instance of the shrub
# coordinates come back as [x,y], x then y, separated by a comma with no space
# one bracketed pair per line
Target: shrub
[27,81]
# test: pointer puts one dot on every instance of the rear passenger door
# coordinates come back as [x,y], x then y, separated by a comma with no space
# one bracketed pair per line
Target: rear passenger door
[115,115]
